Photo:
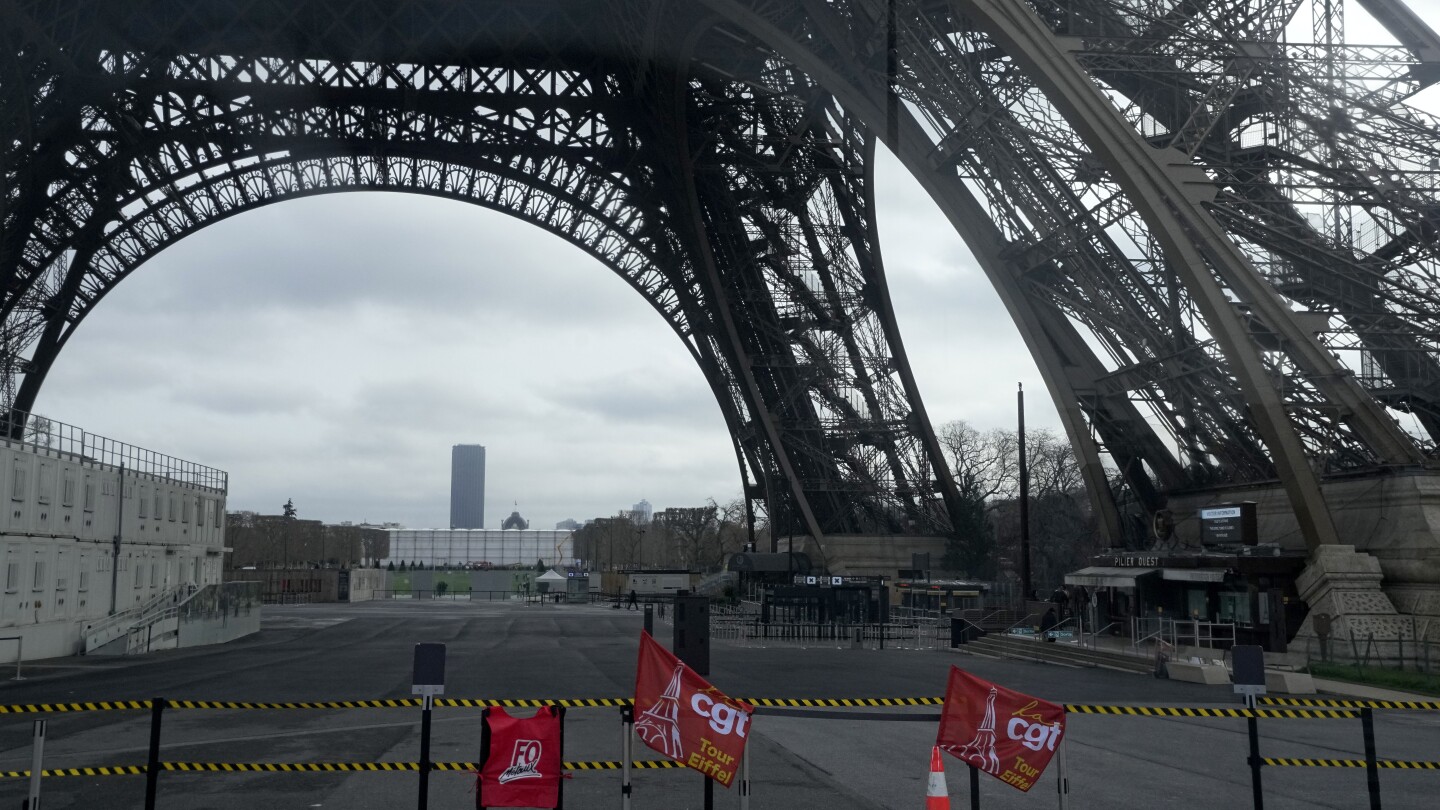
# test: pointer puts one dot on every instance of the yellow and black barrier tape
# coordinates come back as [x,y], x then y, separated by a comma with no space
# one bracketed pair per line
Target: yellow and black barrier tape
[99,706]
[320,767]
[1416,705]
[1398,764]
[1289,708]
[839,703]
[582,765]
[99,770]
[451,703]
[1200,711]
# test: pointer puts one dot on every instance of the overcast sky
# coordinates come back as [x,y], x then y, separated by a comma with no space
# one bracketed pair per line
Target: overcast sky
[332,350]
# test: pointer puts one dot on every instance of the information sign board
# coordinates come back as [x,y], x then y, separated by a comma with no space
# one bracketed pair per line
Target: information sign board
[1228,524]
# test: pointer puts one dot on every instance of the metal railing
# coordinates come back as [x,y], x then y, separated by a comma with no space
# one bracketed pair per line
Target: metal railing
[111,627]
[1095,635]
[1180,633]
[48,436]
[1196,633]
[1027,623]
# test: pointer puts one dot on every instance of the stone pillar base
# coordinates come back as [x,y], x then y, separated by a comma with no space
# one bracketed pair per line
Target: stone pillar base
[1421,603]
[1344,584]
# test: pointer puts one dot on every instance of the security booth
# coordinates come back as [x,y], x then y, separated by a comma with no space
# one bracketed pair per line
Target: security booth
[1211,597]
[577,586]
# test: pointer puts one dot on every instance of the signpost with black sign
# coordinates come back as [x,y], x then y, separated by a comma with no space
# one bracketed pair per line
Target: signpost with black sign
[428,680]
[1249,679]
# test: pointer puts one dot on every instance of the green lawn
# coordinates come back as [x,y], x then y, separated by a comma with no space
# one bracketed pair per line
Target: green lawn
[1383,678]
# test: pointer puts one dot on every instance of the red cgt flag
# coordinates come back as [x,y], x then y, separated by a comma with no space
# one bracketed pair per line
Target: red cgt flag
[1009,735]
[683,717]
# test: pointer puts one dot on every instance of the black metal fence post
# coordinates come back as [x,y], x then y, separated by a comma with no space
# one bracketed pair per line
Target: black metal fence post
[1255,761]
[152,762]
[1372,768]
[424,796]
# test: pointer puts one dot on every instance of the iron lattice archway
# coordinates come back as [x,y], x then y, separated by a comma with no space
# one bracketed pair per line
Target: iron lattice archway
[743,216]
[1180,204]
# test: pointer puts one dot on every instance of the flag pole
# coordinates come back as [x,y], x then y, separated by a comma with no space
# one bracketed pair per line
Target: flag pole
[745,781]
[627,720]
[1062,779]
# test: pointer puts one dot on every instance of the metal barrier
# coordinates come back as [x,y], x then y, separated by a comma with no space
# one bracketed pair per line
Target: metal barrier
[1287,709]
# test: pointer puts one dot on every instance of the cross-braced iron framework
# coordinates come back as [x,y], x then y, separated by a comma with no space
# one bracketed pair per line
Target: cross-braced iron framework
[1215,223]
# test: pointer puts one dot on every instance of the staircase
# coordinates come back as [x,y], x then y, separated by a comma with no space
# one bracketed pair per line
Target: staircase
[1060,652]
[135,630]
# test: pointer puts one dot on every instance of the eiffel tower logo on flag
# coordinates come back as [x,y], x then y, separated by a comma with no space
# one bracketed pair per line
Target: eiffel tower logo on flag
[980,751]
[659,725]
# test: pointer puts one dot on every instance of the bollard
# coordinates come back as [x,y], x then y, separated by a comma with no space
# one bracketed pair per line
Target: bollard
[650,618]
[859,640]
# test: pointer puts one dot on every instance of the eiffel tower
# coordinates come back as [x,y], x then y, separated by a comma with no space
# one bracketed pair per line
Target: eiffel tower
[980,751]
[659,725]
[1214,224]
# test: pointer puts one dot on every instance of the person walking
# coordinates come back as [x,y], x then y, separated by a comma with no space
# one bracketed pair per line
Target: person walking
[634,601]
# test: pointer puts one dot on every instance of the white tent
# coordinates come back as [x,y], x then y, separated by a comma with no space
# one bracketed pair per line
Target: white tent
[551,582]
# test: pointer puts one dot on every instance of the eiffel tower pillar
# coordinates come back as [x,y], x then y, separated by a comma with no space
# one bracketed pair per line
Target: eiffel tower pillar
[1344,584]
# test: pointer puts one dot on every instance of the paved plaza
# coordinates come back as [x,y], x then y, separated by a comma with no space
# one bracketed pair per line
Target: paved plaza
[509,650]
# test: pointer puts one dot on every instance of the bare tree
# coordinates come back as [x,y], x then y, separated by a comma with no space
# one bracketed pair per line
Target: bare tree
[983,466]
[732,527]
[694,532]
[1063,532]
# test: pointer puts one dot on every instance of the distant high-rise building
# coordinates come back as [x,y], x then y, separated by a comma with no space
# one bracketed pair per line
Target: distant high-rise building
[641,512]
[467,486]
[568,524]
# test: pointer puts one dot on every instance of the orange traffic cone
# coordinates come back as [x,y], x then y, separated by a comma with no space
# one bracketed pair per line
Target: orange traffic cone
[937,796]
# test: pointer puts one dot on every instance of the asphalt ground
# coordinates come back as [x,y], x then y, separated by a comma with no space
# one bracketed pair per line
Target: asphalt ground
[501,650]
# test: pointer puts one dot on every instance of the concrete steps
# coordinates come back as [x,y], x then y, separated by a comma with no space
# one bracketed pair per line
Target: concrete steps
[1063,653]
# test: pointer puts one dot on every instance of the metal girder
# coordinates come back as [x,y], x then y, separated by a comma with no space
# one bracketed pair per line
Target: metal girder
[1054,119]
[735,198]
[1219,240]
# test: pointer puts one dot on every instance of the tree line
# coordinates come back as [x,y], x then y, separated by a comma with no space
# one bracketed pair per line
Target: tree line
[986,465]
[984,545]
[287,541]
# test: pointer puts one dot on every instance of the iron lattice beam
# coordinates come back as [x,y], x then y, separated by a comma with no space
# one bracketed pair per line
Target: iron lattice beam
[1215,224]
[739,207]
